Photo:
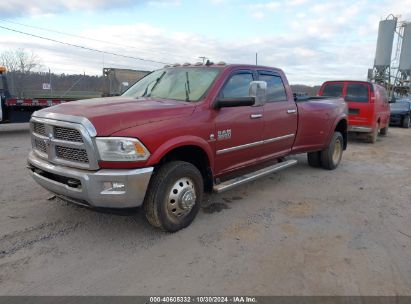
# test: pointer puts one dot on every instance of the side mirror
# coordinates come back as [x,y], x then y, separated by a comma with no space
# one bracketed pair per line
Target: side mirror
[392,100]
[234,102]
[258,90]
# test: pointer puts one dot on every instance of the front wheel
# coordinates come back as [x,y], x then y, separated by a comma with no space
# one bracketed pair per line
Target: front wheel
[174,196]
[331,157]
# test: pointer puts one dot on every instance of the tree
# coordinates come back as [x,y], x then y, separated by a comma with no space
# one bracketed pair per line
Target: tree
[20,63]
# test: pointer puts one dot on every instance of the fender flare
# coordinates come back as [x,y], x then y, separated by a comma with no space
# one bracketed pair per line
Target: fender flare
[178,142]
[331,132]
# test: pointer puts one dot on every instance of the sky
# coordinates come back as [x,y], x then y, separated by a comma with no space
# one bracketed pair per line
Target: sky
[312,41]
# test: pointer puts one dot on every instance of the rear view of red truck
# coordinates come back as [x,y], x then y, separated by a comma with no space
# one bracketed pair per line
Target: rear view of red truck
[368,107]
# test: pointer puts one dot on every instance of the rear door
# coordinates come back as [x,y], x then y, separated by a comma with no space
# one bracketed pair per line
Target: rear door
[360,107]
[334,89]
[280,116]
[239,129]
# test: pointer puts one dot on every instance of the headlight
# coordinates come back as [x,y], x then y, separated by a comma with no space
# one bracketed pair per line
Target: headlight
[121,149]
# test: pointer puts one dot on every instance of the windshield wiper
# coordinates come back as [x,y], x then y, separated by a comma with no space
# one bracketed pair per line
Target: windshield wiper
[155,81]
[187,87]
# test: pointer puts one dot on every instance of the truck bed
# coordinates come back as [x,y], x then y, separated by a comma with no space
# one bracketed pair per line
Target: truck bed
[314,124]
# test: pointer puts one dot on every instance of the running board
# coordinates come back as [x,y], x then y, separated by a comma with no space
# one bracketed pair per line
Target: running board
[232,183]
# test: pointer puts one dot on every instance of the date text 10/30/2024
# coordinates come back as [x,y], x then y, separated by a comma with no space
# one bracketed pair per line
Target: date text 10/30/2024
[188,299]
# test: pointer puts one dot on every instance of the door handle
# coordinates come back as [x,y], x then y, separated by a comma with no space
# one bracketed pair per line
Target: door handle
[291,111]
[255,116]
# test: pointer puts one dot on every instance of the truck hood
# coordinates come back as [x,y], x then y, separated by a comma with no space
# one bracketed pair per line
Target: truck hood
[113,114]
[399,111]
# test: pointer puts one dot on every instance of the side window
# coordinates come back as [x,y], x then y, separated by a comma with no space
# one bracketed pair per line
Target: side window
[275,87]
[237,86]
[357,92]
[333,89]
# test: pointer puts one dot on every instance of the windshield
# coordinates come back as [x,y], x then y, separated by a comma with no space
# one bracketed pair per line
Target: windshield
[186,84]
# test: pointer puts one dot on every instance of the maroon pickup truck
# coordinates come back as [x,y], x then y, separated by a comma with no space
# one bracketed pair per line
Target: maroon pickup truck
[178,132]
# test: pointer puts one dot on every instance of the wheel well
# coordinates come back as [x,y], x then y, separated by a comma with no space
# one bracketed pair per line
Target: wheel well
[342,128]
[195,156]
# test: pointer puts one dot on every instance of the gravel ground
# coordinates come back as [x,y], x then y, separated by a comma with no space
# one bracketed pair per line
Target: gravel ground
[302,231]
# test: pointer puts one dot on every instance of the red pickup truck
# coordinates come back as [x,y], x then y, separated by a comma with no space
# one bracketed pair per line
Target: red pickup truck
[368,106]
[178,132]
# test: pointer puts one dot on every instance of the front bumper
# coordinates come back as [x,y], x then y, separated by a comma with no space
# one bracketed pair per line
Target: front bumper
[359,129]
[92,187]
[396,119]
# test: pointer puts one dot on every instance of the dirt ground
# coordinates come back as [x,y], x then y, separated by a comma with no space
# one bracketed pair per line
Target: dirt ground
[302,231]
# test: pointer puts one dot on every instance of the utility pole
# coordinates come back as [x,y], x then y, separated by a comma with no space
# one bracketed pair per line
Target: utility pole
[256,58]
[203,58]
[51,89]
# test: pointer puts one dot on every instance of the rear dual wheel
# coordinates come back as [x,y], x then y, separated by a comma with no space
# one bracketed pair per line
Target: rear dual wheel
[314,159]
[331,157]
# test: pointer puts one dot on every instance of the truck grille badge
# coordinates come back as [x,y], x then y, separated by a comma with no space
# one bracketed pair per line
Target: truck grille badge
[48,140]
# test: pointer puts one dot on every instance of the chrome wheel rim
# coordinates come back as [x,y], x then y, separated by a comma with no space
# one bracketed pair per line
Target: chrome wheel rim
[337,151]
[181,199]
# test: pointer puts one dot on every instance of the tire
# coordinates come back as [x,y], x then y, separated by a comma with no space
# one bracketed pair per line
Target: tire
[372,136]
[384,131]
[331,157]
[174,196]
[314,159]
[406,123]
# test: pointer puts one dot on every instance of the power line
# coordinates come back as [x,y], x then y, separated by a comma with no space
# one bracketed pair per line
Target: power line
[73,35]
[53,31]
[81,46]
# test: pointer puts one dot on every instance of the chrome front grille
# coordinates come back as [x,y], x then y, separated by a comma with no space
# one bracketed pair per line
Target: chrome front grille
[62,142]
[72,154]
[67,134]
[40,145]
[39,128]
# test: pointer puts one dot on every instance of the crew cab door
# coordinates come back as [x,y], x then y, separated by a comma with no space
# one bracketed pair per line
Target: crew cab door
[238,130]
[280,116]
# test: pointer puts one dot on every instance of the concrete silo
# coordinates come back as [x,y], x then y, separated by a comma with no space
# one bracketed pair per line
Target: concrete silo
[393,71]
[382,62]
[385,41]
[402,83]
[405,57]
